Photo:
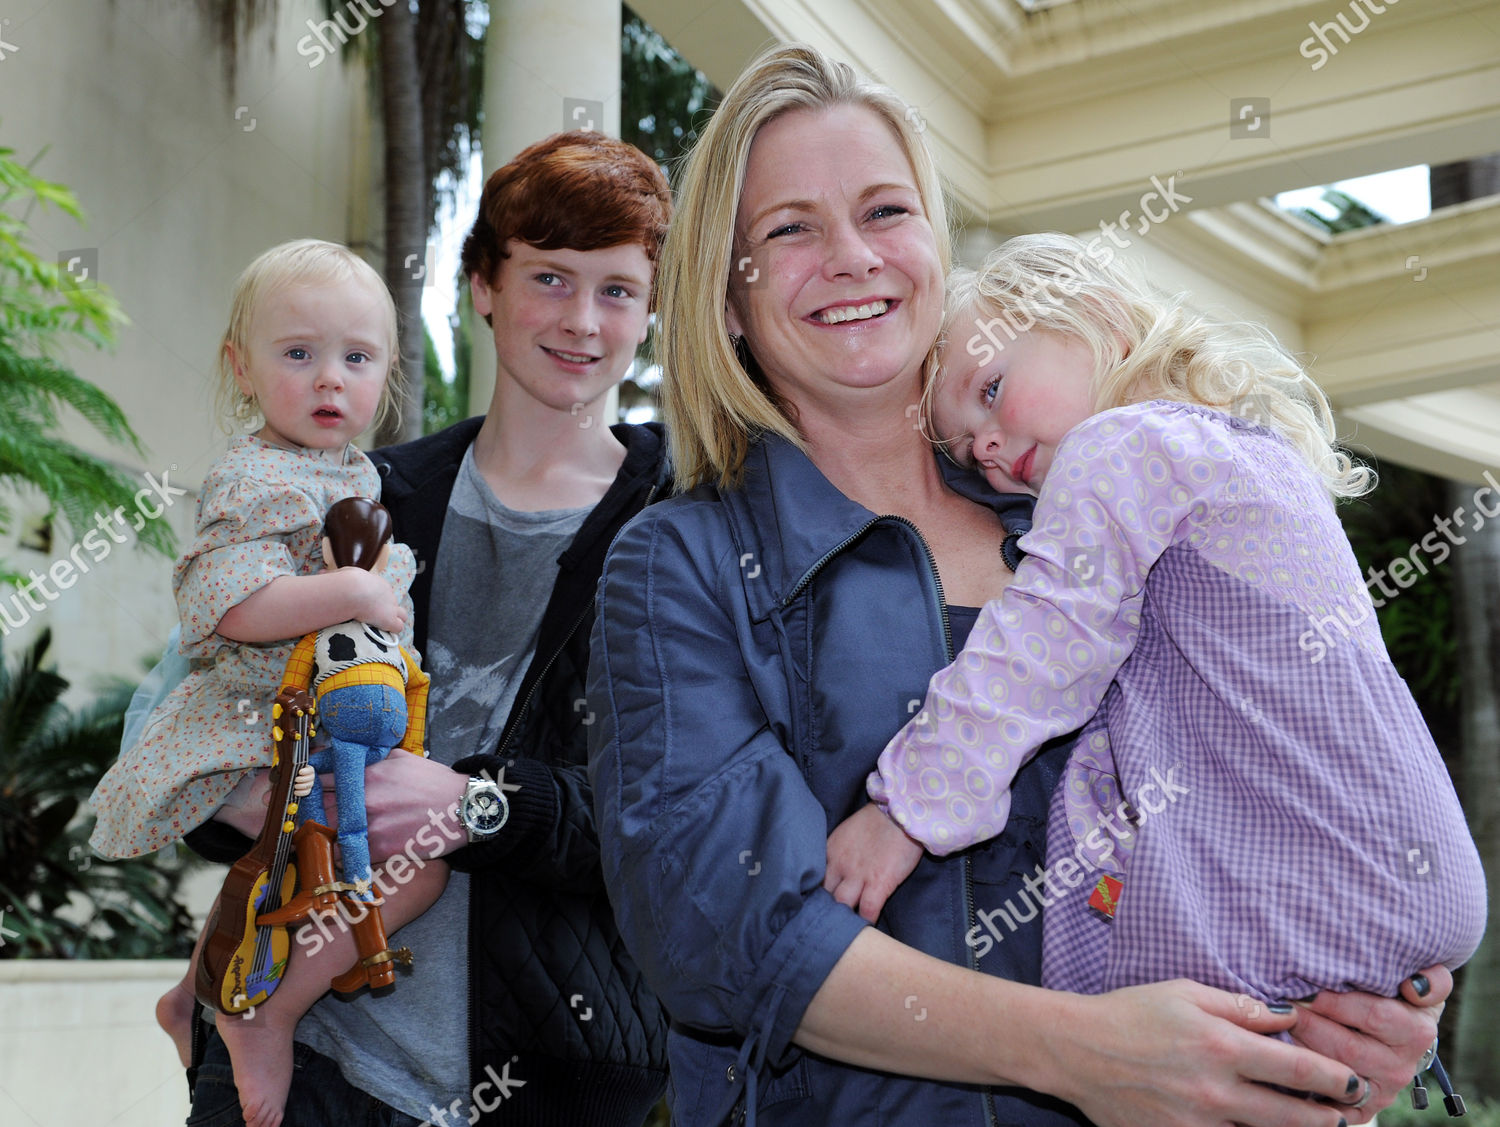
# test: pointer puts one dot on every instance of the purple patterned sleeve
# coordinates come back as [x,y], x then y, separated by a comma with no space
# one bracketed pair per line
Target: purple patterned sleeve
[1125,485]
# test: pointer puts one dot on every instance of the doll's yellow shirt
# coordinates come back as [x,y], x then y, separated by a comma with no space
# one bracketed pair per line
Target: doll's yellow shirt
[299,675]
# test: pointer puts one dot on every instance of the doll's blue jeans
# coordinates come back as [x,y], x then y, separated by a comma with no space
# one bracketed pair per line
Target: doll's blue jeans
[363,723]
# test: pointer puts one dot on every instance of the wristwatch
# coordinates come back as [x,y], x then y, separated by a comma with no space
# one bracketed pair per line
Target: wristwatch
[483,809]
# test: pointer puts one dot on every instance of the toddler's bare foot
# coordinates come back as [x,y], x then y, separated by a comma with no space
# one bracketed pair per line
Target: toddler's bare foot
[174,1013]
[260,1048]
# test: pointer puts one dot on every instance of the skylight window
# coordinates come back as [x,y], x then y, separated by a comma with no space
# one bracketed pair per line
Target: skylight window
[1398,196]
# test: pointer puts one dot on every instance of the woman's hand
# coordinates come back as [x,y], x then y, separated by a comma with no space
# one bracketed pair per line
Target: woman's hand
[868,858]
[411,805]
[1171,1054]
[1381,1039]
[1179,1054]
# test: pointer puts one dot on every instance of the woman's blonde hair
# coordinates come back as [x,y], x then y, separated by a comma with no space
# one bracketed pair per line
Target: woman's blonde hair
[715,404]
[1146,345]
[301,262]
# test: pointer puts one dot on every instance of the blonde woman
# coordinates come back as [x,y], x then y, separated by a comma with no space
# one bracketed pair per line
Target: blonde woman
[760,636]
[1179,552]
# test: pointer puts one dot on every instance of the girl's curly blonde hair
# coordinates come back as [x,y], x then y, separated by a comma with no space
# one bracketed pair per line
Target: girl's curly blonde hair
[1146,345]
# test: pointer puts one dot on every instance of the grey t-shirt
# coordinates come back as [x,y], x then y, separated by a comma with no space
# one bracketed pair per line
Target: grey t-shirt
[496,568]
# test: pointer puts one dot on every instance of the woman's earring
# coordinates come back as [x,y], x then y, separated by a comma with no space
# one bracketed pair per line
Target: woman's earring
[734,341]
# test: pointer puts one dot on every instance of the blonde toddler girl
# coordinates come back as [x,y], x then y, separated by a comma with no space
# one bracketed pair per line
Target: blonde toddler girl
[309,353]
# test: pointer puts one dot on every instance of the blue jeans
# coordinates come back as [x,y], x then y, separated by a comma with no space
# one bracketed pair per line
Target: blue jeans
[363,723]
[320,1096]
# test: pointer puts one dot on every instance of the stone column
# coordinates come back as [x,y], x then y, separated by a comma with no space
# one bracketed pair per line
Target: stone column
[549,66]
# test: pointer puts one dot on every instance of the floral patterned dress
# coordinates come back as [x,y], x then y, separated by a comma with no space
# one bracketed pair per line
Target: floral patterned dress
[260,516]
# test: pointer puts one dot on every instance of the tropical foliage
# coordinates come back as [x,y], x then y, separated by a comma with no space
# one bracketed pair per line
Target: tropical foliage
[663,97]
[1347,213]
[1418,626]
[445,401]
[43,310]
[57,899]
[1402,1114]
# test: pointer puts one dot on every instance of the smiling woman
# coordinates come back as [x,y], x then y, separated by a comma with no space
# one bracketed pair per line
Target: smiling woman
[760,638]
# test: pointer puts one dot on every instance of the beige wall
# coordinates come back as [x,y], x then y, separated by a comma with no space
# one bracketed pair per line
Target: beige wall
[79,1044]
[183,183]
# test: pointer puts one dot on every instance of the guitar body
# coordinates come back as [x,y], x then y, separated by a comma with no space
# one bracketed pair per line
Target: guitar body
[242,963]
[235,975]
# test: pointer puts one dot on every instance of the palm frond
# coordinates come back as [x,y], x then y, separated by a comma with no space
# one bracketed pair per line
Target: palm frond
[29,696]
[50,759]
[75,483]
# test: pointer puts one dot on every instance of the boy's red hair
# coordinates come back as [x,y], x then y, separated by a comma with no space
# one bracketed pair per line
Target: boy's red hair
[576,191]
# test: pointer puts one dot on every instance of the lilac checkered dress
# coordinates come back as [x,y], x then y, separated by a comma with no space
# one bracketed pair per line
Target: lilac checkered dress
[1287,823]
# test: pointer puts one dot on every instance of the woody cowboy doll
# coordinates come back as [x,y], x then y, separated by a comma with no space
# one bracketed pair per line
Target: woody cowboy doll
[371,698]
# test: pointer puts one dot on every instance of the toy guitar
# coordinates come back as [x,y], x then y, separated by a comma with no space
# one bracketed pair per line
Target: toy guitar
[244,958]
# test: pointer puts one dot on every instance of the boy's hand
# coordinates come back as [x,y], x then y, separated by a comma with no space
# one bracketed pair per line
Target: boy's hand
[868,858]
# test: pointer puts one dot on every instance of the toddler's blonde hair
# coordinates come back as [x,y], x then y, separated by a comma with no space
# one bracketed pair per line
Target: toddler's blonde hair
[301,262]
[1146,345]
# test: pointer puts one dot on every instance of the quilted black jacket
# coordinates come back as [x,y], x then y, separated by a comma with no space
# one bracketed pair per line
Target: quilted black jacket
[551,982]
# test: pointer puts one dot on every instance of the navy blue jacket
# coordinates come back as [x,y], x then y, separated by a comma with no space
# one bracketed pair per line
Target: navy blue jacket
[753,652]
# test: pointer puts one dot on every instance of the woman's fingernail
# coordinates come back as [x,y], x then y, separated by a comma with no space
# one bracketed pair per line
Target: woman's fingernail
[1420,984]
[1279,1007]
[1343,1122]
[1353,1086]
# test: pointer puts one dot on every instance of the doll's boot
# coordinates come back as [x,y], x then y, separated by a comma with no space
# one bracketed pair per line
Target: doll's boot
[376,967]
[317,890]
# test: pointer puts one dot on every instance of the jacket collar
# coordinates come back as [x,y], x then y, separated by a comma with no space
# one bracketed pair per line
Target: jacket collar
[787,517]
[645,469]
[412,466]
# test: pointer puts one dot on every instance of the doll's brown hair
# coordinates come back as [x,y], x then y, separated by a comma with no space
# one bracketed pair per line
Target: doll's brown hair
[357,528]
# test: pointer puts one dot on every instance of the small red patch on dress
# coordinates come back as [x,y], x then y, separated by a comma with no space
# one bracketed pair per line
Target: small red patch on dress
[1106,897]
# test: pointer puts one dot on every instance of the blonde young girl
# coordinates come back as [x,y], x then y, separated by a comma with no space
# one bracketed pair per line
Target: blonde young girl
[1237,810]
[309,354]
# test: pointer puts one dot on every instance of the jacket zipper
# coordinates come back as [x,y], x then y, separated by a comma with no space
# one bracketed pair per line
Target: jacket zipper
[986,1094]
[517,714]
[515,724]
[937,581]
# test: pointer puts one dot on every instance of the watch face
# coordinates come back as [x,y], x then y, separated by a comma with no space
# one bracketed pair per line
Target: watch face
[484,812]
